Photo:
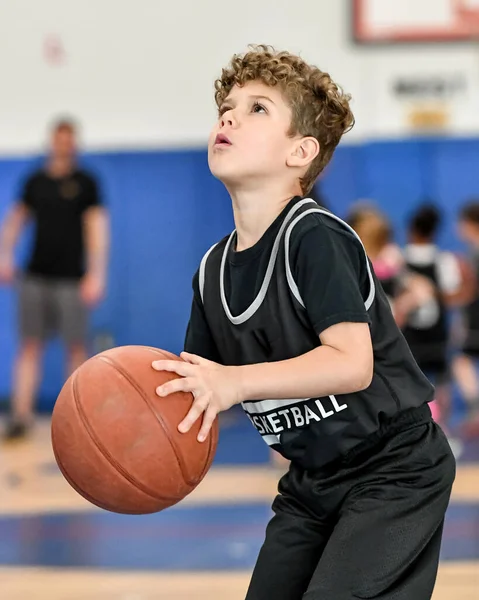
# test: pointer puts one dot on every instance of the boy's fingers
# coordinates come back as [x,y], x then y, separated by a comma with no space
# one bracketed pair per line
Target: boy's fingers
[197,409]
[208,420]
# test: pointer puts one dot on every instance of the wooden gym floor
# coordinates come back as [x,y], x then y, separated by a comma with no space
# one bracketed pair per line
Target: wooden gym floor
[56,546]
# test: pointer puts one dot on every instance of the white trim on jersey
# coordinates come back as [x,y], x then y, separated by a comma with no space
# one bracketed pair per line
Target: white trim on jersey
[273,417]
[249,312]
[201,275]
[292,283]
[253,307]
[271,440]
[264,406]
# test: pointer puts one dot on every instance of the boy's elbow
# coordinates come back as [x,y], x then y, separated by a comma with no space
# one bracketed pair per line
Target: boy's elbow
[361,376]
[364,380]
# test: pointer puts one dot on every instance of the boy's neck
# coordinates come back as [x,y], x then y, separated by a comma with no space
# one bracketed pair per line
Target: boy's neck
[254,212]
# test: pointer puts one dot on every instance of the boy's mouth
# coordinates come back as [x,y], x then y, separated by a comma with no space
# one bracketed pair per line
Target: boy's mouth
[222,140]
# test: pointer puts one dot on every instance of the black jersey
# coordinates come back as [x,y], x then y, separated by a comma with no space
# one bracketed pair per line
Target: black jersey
[270,302]
[426,330]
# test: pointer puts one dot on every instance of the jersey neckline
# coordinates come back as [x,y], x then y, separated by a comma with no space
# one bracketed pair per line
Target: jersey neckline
[244,256]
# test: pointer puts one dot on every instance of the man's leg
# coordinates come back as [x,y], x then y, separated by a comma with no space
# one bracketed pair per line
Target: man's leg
[73,323]
[26,375]
[77,355]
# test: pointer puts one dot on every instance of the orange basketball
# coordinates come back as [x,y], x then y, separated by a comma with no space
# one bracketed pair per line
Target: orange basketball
[117,443]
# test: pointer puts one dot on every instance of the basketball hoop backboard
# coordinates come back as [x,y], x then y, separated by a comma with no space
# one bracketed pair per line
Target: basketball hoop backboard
[397,21]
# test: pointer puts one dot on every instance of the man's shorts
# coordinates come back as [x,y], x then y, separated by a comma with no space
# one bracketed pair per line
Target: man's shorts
[49,307]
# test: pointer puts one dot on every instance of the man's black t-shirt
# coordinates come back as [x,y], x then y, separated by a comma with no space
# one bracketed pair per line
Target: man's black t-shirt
[308,272]
[57,206]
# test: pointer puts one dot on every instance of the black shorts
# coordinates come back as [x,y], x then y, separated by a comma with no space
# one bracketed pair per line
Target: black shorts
[371,529]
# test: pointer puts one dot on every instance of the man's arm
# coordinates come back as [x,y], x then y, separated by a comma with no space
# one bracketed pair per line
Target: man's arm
[12,226]
[97,236]
[97,242]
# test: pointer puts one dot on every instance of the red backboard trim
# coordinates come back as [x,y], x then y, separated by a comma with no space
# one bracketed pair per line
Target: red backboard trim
[466,27]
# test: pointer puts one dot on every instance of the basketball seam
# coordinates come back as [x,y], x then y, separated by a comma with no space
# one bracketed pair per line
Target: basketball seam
[65,474]
[208,461]
[130,380]
[90,498]
[210,456]
[104,452]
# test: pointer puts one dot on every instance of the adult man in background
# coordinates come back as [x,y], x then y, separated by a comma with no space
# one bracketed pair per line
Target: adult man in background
[66,271]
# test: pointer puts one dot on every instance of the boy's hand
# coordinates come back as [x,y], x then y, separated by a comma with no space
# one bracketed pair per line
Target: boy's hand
[214,388]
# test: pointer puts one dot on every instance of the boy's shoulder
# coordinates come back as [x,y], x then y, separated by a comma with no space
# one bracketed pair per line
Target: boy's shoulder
[310,227]
[322,228]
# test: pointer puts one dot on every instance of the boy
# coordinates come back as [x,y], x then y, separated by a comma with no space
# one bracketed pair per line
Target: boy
[288,319]
[464,364]
[426,328]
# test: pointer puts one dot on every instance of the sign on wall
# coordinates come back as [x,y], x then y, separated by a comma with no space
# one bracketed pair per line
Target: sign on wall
[403,21]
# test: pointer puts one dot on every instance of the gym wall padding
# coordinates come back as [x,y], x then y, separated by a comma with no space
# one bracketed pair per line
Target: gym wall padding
[166,210]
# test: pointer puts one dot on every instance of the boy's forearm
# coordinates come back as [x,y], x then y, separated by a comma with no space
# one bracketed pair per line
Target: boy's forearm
[321,372]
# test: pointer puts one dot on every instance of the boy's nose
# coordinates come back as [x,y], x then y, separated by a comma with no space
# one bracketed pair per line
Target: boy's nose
[227,120]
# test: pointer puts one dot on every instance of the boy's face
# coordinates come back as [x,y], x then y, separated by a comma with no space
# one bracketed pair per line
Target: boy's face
[249,142]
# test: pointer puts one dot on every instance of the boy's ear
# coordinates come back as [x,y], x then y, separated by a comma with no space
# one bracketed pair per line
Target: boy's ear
[304,152]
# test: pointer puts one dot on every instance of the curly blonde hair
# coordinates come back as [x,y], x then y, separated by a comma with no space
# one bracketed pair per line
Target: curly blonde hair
[319,107]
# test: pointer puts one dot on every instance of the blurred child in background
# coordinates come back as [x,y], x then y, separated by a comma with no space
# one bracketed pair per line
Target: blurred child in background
[419,284]
[375,232]
[426,326]
[464,365]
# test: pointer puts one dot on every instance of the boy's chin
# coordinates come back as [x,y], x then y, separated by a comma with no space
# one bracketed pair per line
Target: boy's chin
[228,177]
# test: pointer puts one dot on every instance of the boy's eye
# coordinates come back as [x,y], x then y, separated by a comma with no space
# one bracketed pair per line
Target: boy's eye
[223,109]
[257,107]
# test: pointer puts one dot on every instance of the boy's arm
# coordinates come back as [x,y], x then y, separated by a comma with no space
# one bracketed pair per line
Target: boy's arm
[342,364]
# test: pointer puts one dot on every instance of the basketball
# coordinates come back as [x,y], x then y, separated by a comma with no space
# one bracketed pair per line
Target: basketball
[117,442]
